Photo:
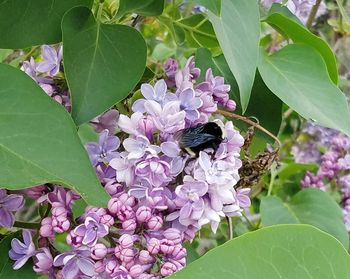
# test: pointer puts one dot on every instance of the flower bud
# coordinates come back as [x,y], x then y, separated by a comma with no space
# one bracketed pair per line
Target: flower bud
[178,253]
[127,255]
[145,257]
[230,105]
[99,267]
[117,251]
[127,200]
[59,211]
[114,206]
[60,224]
[146,126]
[73,239]
[155,223]
[107,220]
[173,235]
[111,267]
[125,213]
[113,188]
[136,270]
[143,214]
[153,246]
[126,241]
[99,251]
[46,229]
[166,246]
[167,269]
[129,225]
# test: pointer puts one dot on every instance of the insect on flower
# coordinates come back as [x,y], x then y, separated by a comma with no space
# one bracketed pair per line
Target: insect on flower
[200,137]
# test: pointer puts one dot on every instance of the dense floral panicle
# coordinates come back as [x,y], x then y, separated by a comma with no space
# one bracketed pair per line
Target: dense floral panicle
[332,153]
[9,204]
[301,8]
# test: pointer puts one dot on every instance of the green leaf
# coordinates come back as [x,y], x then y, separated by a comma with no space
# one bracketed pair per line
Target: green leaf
[102,62]
[213,5]
[238,31]
[198,31]
[285,251]
[141,7]
[35,22]
[298,75]
[87,133]
[39,142]
[300,34]
[309,206]
[6,270]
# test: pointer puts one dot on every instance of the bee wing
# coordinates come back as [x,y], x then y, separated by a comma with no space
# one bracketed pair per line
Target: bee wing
[195,139]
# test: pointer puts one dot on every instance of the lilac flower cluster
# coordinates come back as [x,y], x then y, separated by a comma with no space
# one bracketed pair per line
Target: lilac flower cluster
[160,195]
[330,149]
[301,8]
[47,73]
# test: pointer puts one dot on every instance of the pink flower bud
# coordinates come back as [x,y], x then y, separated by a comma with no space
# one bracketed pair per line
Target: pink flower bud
[99,267]
[143,214]
[230,105]
[125,213]
[130,264]
[117,251]
[127,200]
[60,224]
[167,269]
[178,253]
[145,257]
[46,229]
[136,270]
[73,239]
[155,223]
[108,220]
[173,235]
[153,246]
[166,246]
[146,126]
[129,225]
[113,188]
[111,267]
[126,241]
[114,206]
[59,211]
[99,251]
[127,255]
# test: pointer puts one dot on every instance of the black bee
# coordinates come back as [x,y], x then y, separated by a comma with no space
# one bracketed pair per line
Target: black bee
[202,136]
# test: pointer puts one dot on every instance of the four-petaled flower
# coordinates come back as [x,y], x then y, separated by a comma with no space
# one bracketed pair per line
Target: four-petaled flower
[9,204]
[21,251]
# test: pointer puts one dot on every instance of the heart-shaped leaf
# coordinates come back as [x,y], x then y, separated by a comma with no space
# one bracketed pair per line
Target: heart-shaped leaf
[298,75]
[238,32]
[310,206]
[33,22]
[102,62]
[283,251]
[39,142]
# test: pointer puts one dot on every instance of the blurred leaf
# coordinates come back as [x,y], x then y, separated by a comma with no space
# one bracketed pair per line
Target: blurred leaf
[176,31]
[298,75]
[33,22]
[162,52]
[87,133]
[102,62]
[6,270]
[296,31]
[79,208]
[309,206]
[141,7]
[198,30]
[284,251]
[213,5]
[4,53]
[39,142]
[192,254]
[238,31]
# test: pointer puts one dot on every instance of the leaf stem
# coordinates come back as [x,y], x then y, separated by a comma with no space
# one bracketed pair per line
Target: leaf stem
[26,225]
[313,13]
[250,122]
[342,11]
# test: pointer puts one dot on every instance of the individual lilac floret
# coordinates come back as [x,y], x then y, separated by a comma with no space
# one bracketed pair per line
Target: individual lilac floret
[75,262]
[43,261]
[171,67]
[9,204]
[138,147]
[106,121]
[52,60]
[158,93]
[21,251]
[184,78]
[91,230]
[105,150]
[190,104]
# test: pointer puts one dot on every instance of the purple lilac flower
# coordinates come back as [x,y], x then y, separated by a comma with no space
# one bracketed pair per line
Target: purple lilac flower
[171,67]
[130,125]
[52,60]
[21,251]
[125,169]
[105,150]
[184,78]
[139,146]
[43,261]
[190,104]
[9,204]
[106,121]
[75,262]
[91,230]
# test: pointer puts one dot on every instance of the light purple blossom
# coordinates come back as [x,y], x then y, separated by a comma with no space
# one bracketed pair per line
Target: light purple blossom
[184,78]
[139,146]
[190,104]
[125,169]
[74,262]
[21,251]
[52,60]
[106,121]
[171,67]
[105,150]
[43,261]
[130,125]
[91,230]
[9,204]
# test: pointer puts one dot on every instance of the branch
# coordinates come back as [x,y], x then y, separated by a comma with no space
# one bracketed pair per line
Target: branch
[313,14]
[25,225]
[250,122]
